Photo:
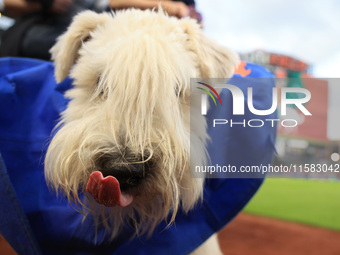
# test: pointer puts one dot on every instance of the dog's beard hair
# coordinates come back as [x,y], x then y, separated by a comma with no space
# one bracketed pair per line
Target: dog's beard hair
[137,103]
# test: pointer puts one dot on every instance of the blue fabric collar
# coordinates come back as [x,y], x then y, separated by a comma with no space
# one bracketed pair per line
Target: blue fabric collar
[30,105]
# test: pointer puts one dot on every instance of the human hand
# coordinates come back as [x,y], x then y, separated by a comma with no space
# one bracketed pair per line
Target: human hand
[60,6]
[177,9]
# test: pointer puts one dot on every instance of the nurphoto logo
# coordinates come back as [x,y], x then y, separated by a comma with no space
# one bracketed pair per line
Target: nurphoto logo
[239,104]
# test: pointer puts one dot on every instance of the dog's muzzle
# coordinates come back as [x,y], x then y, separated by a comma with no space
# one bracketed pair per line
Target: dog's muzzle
[113,183]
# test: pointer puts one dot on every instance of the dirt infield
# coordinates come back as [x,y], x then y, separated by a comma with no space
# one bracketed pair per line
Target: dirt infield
[256,235]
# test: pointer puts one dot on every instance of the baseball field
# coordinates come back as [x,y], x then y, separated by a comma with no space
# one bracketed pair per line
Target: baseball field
[287,216]
[312,202]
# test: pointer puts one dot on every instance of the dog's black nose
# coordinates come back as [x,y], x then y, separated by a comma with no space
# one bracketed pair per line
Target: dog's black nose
[129,175]
[129,169]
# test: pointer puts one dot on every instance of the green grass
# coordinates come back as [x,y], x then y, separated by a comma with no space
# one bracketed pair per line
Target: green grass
[306,201]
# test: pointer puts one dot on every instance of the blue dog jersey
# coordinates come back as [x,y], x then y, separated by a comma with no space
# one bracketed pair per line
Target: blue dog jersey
[33,220]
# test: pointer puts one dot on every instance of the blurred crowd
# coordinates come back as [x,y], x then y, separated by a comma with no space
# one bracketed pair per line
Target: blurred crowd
[38,23]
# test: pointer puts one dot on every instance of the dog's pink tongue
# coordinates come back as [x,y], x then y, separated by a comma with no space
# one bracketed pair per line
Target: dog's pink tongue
[106,190]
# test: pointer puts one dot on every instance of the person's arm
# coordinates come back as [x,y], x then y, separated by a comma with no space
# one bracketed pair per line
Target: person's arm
[17,8]
[178,9]
[20,7]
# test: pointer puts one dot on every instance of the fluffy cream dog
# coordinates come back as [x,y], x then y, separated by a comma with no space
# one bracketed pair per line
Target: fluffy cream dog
[124,139]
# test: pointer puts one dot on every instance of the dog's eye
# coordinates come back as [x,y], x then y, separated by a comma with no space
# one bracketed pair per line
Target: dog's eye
[87,38]
[101,94]
[178,92]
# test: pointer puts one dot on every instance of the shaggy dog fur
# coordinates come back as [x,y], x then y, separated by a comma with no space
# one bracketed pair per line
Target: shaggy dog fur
[130,108]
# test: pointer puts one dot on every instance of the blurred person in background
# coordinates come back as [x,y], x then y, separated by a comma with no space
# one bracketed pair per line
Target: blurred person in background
[17,7]
[40,22]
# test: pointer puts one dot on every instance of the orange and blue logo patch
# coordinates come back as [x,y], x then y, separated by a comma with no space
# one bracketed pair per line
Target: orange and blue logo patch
[241,69]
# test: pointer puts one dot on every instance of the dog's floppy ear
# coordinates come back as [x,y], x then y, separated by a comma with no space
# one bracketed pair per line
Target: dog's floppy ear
[65,51]
[215,61]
